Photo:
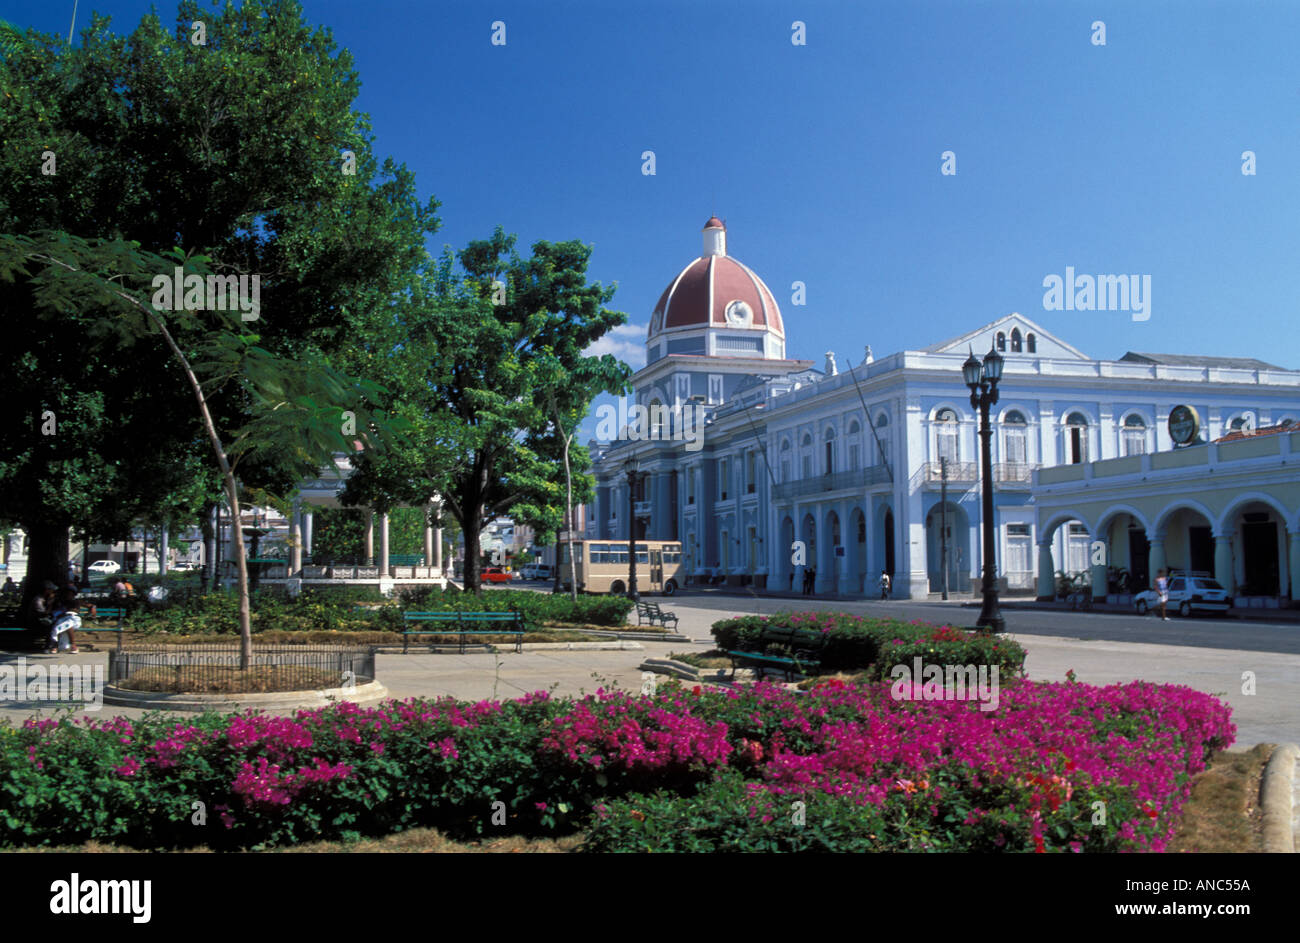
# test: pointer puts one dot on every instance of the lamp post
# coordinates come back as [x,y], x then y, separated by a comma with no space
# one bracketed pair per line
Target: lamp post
[982,378]
[632,474]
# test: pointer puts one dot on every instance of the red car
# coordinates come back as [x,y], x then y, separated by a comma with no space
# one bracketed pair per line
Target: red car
[494,574]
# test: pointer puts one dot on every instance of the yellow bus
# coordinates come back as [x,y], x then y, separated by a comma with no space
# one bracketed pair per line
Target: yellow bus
[603,567]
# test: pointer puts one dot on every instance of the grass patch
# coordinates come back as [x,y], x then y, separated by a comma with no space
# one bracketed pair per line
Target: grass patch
[1223,814]
[220,679]
[709,659]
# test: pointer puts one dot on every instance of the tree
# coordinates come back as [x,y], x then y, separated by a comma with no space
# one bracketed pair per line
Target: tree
[288,400]
[470,365]
[238,149]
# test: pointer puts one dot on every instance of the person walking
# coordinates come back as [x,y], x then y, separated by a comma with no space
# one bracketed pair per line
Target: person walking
[884,584]
[1162,590]
[811,576]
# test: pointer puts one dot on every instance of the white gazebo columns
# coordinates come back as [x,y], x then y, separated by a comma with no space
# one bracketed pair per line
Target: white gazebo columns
[383,546]
[295,540]
[370,537]
[306,530]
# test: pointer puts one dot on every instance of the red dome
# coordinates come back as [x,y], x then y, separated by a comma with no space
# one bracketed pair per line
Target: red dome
[714,223]
[705,289]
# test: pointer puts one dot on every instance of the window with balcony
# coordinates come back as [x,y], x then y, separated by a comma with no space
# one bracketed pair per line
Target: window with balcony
[1076,439]
[946,430]
[830,451]
[1015,438]
[786,460]
[1133,436]
[882,434]
[807,456]
[855,446]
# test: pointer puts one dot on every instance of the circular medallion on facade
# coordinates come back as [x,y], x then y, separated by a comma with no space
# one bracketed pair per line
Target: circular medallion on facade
[738,313]
[1184,425]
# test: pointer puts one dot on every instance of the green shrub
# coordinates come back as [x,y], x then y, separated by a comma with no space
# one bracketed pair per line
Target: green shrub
[855,643]
[536,607]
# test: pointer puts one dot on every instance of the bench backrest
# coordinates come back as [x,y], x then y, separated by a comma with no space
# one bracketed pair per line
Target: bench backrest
[462,616]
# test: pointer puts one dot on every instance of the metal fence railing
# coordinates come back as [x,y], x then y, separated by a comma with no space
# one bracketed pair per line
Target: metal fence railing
[214,668]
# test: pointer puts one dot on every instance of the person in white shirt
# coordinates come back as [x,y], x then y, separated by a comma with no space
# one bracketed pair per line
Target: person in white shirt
[1162,589]
[884,584]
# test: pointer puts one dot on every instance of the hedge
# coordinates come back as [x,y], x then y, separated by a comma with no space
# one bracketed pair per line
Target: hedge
[857,643]
[335,609]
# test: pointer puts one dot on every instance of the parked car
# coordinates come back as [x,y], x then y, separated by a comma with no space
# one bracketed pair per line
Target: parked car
[183,566]
[535,571]
[495,574]
[104,567]
[1187,594]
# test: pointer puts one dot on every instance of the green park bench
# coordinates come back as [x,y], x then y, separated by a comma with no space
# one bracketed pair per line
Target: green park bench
[465,625]
[406,559]
[650,611]
[27,635]
[105,614]
[790,650]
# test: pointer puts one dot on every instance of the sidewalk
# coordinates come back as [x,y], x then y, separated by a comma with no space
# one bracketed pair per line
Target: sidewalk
[1013,602]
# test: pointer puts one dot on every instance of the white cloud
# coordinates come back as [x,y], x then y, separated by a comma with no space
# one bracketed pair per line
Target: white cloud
[626,342]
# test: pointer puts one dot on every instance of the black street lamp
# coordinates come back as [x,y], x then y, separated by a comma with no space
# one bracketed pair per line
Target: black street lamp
[982,378]
[632,475]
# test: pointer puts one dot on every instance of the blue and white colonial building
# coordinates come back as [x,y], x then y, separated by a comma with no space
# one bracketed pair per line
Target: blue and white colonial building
[850,462]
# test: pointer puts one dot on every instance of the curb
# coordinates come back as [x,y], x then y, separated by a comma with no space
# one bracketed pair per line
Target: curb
[1278,800]
[680,669]
[366,693]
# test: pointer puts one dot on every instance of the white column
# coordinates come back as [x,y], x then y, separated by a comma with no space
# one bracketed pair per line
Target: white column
[370,537]
[1295,565]
[1157,559]
[306,531]
[383,545]
[428,535]
[163,549]
[1223,562]
[295,541]
[1046,571]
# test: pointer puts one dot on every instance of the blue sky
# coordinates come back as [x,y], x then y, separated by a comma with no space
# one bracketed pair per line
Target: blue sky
[825,158]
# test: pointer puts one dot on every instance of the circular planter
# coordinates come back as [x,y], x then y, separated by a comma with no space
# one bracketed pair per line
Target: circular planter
[367,692]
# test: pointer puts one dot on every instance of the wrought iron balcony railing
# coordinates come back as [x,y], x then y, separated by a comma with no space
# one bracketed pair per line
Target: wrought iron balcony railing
[838,481]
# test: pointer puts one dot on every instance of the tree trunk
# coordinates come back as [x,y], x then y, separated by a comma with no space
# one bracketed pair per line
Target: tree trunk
[241,567]
[206,526]
[568,518]
[472,526]
[47,557]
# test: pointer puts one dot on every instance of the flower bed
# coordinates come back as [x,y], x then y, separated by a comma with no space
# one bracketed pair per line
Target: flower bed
[842,768]
[875,646]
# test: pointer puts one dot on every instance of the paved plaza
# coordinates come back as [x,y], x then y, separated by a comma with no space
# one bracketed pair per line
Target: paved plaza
[1270,715]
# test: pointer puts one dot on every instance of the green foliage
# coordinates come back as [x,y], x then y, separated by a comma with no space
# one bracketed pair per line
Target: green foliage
[473,375]
[724,816]
[538,608]
[856,643]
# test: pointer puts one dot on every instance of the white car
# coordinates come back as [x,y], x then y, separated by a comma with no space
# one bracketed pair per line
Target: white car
[104,567]
[1187,594]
